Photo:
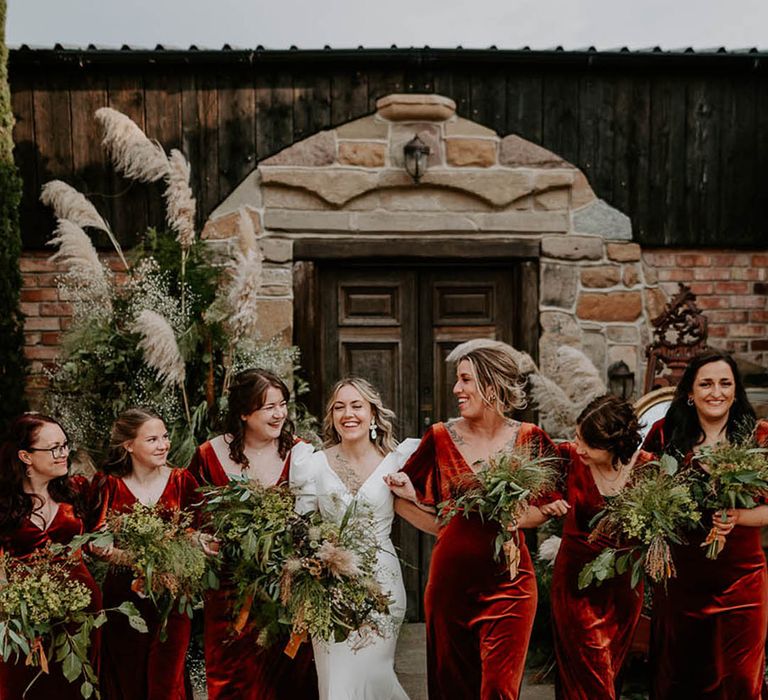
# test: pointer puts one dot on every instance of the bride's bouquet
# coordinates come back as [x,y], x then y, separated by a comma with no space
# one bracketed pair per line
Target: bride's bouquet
[328,584]
[163,552]
[732,476]
[44,616]
[497,492]
[254,527]
[649,514]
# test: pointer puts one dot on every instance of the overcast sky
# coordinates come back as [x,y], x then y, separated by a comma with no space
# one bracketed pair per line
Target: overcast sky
[573,24]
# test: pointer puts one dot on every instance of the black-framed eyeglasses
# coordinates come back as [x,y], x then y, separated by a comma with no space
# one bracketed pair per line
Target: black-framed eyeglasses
[57,451]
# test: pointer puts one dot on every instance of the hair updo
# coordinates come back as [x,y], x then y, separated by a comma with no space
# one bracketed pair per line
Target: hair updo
[609,423]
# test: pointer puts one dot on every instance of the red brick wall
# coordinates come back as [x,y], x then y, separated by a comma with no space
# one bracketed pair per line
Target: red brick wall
[732,291]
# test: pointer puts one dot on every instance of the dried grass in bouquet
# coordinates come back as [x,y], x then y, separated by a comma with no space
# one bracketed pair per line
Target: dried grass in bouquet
[164,554]
[328,584]
[44,617]
[731,476]
[497,492]
[654,510]
[253,525]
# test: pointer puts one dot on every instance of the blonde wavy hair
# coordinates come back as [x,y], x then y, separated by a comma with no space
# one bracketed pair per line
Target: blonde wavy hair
[496,368]
[384,417]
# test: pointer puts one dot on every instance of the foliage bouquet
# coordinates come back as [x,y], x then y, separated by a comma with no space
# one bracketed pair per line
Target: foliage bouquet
[732,476]
[497,492]
[328,584]
[644,519]
[168,564]
[44,616]
[254,526]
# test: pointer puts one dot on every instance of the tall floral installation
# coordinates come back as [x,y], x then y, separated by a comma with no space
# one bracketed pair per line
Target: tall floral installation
[169,330]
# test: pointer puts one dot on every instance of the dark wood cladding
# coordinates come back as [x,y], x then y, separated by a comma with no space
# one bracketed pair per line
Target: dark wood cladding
[676,140]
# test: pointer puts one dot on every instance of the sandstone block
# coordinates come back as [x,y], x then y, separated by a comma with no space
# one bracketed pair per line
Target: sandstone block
[463,127]
[601,276]
[370,127]
[362,154]
[227,226]
[335,185]
[627,335]
[524,222]
[288,220]
[275,319]
[415,107]
[630,275]
[559,323]
[517,152]
[479,153]
[649,274]
[572,247]
[594,345]
[623,252]
[277,250]
[581,191]
[282,197]
[610,306]
[316,151]
[624,353]
[425,198]
[425,223]
[498,187]
[403,133]
[556,199]
[601,219]
[558,285]
[656,300]
[246,194]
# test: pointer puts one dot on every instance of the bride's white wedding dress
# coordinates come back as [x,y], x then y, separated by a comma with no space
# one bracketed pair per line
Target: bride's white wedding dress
[343,671]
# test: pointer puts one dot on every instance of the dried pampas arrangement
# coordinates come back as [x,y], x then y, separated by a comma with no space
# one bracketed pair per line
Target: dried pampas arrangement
[133,154]
[179,202]
[161,351]
[79,257]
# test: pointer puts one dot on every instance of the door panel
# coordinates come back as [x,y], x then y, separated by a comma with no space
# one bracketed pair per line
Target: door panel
[395,325]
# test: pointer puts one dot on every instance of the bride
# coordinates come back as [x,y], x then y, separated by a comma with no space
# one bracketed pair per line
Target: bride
[359,451]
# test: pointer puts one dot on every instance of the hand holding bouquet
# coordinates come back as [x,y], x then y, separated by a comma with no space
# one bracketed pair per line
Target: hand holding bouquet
[649,514]
[44,616]
[732,476]
[498,492]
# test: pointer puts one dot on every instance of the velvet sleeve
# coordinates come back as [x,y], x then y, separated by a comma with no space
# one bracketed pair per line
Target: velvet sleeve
[540,445]
[423,470]
[654,441]
[198,469]
[99,498]
[761,433]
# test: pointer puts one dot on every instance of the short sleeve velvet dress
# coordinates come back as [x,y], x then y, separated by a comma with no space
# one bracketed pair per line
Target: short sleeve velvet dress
[478,620]
[237,668]
[709,626]
[136,665]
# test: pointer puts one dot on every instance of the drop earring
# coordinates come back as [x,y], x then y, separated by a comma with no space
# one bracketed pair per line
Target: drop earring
[373,428]
[690,400]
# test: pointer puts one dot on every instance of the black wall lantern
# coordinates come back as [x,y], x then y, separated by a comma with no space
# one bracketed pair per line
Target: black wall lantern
[416,152]
[621,381]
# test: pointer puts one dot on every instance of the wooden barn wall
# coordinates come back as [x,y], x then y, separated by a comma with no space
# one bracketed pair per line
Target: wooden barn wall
[683,150]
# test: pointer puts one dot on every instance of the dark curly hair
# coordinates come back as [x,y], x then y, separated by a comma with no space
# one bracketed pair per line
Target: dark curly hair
[609,423]
[124,429]
[247,394]
[15,503]
[682,428]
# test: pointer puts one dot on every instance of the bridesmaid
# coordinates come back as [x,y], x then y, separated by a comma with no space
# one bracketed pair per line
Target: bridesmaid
[258,444]
[709,627]
[594,627]
[138,666]
[39,505]
[478,620]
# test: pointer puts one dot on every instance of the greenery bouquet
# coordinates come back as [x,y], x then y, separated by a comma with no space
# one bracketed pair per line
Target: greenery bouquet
[44,616]
[328,584]
[649,514]
[254,526]
[732,476]
[164,554]
[497,492]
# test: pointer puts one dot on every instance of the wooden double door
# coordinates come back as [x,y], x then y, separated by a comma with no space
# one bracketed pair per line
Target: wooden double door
[394,325]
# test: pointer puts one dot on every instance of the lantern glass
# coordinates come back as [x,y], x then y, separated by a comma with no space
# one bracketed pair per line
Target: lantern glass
[621,381]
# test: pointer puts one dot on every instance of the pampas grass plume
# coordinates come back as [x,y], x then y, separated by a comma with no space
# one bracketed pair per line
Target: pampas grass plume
[243,293]
[68,203]
[577,376]
[179,202]
[161,351]
[558,411]
[78,255]
[246,233]
[132,153]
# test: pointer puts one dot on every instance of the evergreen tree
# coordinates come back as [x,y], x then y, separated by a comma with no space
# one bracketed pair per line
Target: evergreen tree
[12,363]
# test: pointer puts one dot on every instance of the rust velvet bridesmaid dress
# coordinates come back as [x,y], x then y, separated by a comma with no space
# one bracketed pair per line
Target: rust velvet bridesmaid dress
[593,627]
[237,668]
[478,621]
[135,665]
[709,626]
[27,539]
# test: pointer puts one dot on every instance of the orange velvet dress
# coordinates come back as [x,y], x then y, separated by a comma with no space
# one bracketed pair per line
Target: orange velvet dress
[593,628]
[25,540]
[237,668]
[136,665]
[709,625]
[478,621]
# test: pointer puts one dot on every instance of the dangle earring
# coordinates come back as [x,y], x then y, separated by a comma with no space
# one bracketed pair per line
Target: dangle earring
[372,429]
[690,400]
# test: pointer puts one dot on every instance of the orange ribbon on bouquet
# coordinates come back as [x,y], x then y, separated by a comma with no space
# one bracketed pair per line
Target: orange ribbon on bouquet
[296,640]
[38,651]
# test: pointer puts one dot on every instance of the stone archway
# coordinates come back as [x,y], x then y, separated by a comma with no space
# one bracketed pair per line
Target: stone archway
[347,187]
